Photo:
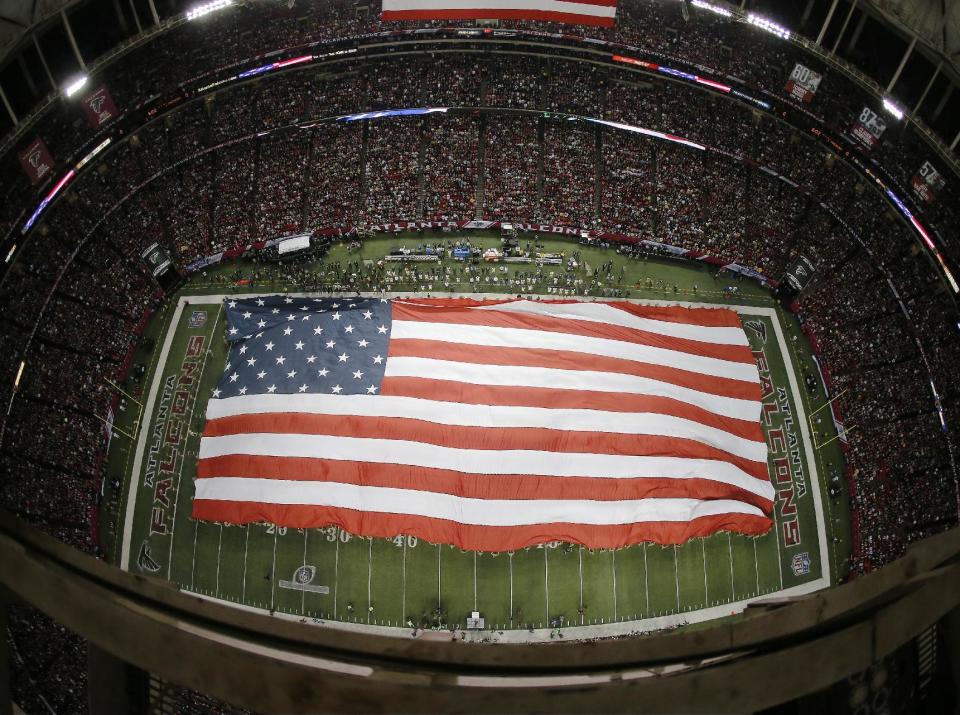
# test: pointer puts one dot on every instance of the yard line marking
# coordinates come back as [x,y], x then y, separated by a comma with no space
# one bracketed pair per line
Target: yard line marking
[613,559]
[703,550]
[580,553]
[273,570]
[474,580]
[183,456]
[243,588]
[511,586]
[756,566]
[733,590]
[303,593]
[646,580]
[676,573]
[369,577]
[219,548]
[403,582]
[546,584]
[336,567]
[438,577]
[193,562]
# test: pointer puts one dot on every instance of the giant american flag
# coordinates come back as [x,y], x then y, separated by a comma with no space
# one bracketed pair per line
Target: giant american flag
[573,12]
[490,425]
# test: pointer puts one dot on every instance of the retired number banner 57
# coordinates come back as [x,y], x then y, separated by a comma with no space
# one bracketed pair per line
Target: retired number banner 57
[488,425]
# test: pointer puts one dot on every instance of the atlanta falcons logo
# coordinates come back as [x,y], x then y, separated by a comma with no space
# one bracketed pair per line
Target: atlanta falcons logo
[145,559]
[758,327]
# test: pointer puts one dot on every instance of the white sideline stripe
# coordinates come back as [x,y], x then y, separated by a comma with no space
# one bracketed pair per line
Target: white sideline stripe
[611,315]
[562,379]
[490,416]
[479,461]
[476,512]
[577,8]
[524,338]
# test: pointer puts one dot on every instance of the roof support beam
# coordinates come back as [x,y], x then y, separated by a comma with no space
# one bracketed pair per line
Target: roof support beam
[903,63]
[826,22]
[6,104]
[73,41]
[843,28]
[942,104]
[153,11]
[136,17]
[926,91]
[956,140]
[43,61]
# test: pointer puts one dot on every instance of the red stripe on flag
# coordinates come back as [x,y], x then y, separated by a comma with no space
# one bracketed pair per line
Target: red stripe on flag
[451,391]
[474,486]
[568,18]
[476,538]
[565,360]
[706,317]
[487,438]
[571,326]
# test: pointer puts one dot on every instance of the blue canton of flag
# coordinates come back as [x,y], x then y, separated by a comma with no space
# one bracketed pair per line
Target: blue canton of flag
[285,345]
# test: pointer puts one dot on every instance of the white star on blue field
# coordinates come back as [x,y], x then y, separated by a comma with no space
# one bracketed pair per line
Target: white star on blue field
[284,345]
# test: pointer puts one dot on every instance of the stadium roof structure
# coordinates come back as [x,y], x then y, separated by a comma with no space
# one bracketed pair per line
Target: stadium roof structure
[19,16]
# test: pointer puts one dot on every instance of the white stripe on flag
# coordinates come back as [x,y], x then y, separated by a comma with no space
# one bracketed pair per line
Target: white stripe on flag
[542,339]
[480,461]
[491,416]
[464,510]
[611,315]
[559,379]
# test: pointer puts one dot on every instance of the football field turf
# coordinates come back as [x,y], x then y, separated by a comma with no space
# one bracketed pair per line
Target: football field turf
[330,575]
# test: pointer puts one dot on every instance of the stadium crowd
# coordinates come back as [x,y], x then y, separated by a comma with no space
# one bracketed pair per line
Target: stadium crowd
[199,180]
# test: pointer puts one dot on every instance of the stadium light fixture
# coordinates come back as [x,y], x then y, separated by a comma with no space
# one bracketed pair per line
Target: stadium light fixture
[768,25]
[712,8]
[892,108]
[206,8]
[75,86]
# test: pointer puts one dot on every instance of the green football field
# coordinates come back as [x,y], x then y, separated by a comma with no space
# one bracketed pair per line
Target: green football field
[330,575]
